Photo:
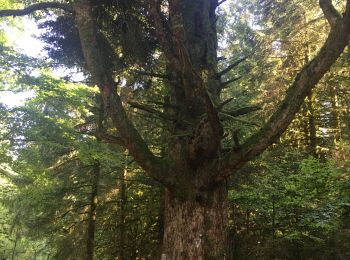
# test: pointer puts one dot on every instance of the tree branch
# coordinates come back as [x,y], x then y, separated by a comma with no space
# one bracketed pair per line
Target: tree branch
[224,115]
[230,67]
[162,29]
[150,110]
[226,83]
[111,139]
[329,11]
[242,111]
[219,108]
[338,38]
[103,76]
[151,74]
[36,7]
[221,2]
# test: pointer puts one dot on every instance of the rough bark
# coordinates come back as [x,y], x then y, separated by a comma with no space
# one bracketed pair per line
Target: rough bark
[195,229]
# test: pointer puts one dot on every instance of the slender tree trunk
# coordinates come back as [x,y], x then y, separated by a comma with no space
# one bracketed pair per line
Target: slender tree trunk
[312,127]
[122,215]
[92,213]
[310,104]
[195,230]
[161,222]
[335,121]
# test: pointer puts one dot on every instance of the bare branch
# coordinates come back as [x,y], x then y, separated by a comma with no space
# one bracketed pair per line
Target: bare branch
[36,7]
[111,139]
[223,104]
[329,11]
[242,111]
[227,83]
[230,67]
[151,110]
[224,115]
[151,74]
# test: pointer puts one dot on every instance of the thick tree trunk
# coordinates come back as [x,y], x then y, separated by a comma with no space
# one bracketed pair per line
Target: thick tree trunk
[195,229]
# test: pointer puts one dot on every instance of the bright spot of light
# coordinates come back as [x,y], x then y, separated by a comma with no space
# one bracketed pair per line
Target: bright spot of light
[26,39]
[12,99]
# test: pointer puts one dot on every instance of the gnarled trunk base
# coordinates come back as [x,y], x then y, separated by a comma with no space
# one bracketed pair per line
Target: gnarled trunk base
[195,230]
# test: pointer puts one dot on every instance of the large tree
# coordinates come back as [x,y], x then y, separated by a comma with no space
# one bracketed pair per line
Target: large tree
[181,35]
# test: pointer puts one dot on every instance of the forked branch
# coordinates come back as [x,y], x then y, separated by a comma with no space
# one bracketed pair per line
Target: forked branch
[329,11]
[338,38]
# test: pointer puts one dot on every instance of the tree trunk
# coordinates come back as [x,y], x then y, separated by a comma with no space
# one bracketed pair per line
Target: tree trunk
[90,243]
[122,214]
[335,118]
[312,126]
[195,229]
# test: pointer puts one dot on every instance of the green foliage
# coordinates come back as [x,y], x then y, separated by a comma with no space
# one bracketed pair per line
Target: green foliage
[290,210]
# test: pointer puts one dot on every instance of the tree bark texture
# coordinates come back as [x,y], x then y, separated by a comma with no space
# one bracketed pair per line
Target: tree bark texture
[195,229]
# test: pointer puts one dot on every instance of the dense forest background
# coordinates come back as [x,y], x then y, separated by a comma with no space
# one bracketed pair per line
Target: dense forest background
[64,190]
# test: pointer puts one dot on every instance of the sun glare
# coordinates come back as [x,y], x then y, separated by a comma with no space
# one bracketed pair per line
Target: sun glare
[26,39]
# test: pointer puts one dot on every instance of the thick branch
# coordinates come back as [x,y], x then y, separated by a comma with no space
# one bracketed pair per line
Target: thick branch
[36,7]
[102,74]
[329,11]
[304,82]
